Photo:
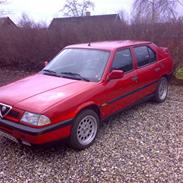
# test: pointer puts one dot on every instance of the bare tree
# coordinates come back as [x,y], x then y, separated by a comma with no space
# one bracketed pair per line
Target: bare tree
[155,10]
[27,23]
[77,8]
[124,16]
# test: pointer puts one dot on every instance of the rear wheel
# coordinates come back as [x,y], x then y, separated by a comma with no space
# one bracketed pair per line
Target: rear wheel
[84,130]
[162,90]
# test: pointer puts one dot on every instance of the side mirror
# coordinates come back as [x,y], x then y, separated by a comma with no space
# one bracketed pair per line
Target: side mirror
[116,74]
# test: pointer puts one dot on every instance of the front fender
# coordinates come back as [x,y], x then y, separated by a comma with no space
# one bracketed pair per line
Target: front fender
[84,106]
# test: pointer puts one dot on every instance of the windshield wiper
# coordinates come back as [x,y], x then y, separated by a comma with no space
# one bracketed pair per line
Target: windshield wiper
[75,74]
[50,72]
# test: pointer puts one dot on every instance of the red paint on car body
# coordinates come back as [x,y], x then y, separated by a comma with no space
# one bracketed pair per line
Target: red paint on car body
[62,99]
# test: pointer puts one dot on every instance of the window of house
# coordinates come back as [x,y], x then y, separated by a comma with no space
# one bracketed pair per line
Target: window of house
[145,55]
[123,61]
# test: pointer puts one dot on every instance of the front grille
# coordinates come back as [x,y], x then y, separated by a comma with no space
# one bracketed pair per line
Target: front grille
[13,114]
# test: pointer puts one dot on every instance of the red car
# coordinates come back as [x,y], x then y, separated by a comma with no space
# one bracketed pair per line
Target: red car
[80,88]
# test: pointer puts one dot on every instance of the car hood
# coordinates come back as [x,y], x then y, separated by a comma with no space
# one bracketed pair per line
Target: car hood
[39,92]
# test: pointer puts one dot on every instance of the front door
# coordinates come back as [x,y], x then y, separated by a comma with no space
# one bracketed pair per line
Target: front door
[120,93]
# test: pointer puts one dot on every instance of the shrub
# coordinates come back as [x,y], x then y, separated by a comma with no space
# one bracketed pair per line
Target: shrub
[27,47]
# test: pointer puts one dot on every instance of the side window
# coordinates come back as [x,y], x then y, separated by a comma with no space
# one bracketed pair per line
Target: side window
[123,61]
[152,55]
[145,55]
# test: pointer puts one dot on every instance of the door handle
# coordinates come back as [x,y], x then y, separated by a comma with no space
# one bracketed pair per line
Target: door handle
[135,78]
[157,69]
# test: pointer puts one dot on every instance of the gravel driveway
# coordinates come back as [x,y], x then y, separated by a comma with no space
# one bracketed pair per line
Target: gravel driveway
[143,144]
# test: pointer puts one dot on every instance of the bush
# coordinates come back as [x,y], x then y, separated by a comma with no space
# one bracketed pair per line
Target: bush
[27,48]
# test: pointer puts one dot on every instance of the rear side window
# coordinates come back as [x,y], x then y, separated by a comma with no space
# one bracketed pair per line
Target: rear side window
[152,55]
[123,61]
[145,55]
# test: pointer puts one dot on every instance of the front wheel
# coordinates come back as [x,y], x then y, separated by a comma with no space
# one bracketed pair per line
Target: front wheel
[162,90]
[84,130]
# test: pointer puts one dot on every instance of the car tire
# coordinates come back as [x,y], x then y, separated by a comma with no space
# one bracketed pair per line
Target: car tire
[85,129]
[162,90]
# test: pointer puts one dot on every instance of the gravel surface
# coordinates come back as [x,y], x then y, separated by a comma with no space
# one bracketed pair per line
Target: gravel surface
[143,144]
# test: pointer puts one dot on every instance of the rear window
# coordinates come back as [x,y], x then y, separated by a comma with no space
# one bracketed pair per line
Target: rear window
[145,55]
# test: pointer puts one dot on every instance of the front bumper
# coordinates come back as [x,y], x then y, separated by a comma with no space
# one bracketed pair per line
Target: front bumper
[36,135]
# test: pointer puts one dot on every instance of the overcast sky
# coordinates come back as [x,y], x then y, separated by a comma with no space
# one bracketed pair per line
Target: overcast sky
[46,10]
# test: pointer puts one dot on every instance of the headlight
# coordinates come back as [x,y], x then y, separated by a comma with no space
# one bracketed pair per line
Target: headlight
[35,119]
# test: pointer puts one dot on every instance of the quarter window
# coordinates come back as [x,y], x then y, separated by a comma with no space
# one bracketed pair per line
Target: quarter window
[123,61]
[152,55]
[145,55]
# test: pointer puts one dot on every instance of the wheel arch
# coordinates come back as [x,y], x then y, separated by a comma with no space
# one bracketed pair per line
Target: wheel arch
[91,106]
[167,76]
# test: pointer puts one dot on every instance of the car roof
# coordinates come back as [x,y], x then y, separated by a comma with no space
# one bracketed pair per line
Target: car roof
[108,45]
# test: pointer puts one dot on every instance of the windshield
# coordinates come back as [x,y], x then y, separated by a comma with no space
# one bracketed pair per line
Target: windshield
[82,64]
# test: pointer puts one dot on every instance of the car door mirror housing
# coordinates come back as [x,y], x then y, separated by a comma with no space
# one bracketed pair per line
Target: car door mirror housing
[116,74]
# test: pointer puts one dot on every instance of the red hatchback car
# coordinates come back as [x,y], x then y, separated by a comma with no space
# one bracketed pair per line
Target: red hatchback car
[81,87]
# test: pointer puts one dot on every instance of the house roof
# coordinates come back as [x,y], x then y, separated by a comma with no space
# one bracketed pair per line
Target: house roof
[109,45]
[7,22]
[70,21]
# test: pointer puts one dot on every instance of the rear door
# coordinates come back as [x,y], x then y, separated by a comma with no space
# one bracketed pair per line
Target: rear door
[148,70]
